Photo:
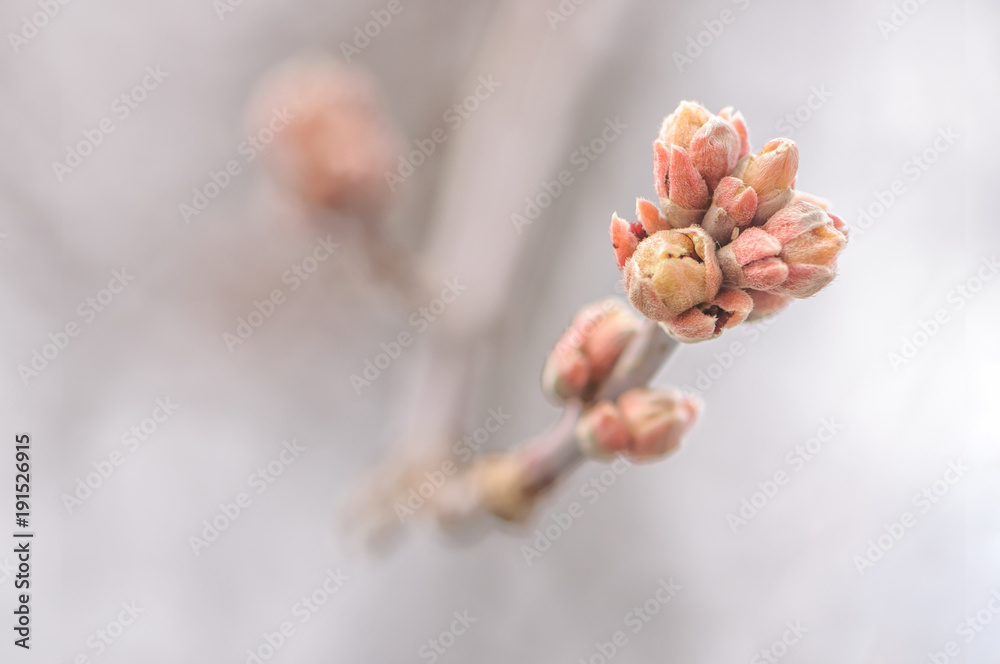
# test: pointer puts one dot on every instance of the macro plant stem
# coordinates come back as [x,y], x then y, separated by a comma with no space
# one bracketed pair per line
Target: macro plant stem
[540,463]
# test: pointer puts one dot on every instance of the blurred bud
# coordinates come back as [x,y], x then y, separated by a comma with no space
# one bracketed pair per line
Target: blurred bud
[672,271]
[733,206]
[728,308]
[766,303]
[565,375]
[336,145]
[751,261]
[810,242]
[588,351]
[771,173]
[601,431]
[501,483]
[607,342]
[656,420]
[736,119]
[715,149]
[679,127]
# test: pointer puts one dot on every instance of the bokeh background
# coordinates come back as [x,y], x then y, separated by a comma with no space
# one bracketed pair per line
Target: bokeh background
[887,93]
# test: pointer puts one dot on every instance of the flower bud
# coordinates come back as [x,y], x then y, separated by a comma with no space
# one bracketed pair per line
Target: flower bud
[751,261]
[810,198]
[736,119]
[601,431]
[728,308]
[656,420]
[566,374]
[766,303]
[771,173]
[337,145]
[607,342]
[679,127]
[588,351]
[715,149]
[623,239]
[672,271]
[810,242]
[683,194]
[733,206]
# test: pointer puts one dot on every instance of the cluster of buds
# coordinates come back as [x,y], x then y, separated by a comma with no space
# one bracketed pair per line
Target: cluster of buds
[642,424]
[731,240]
[337,144]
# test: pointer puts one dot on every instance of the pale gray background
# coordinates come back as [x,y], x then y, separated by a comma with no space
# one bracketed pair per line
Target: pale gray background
[824,357]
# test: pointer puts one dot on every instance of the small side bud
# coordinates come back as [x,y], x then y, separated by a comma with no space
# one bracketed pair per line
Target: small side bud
[657,420]
[736,119]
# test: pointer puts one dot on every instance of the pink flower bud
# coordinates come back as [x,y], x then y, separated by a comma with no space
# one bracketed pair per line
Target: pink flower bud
[771,173]
[565,375]
[728,308]
[810,198]
[682,192]
[672,271]
[623,239]
[601,431]
[607,342]
[625,236]
[656,420]
[736,119]
[337,145]
[588,350]
[810,243]
[685,186]
[715,149]
[679,127]
[751,261]
[766,303]
[733,206]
